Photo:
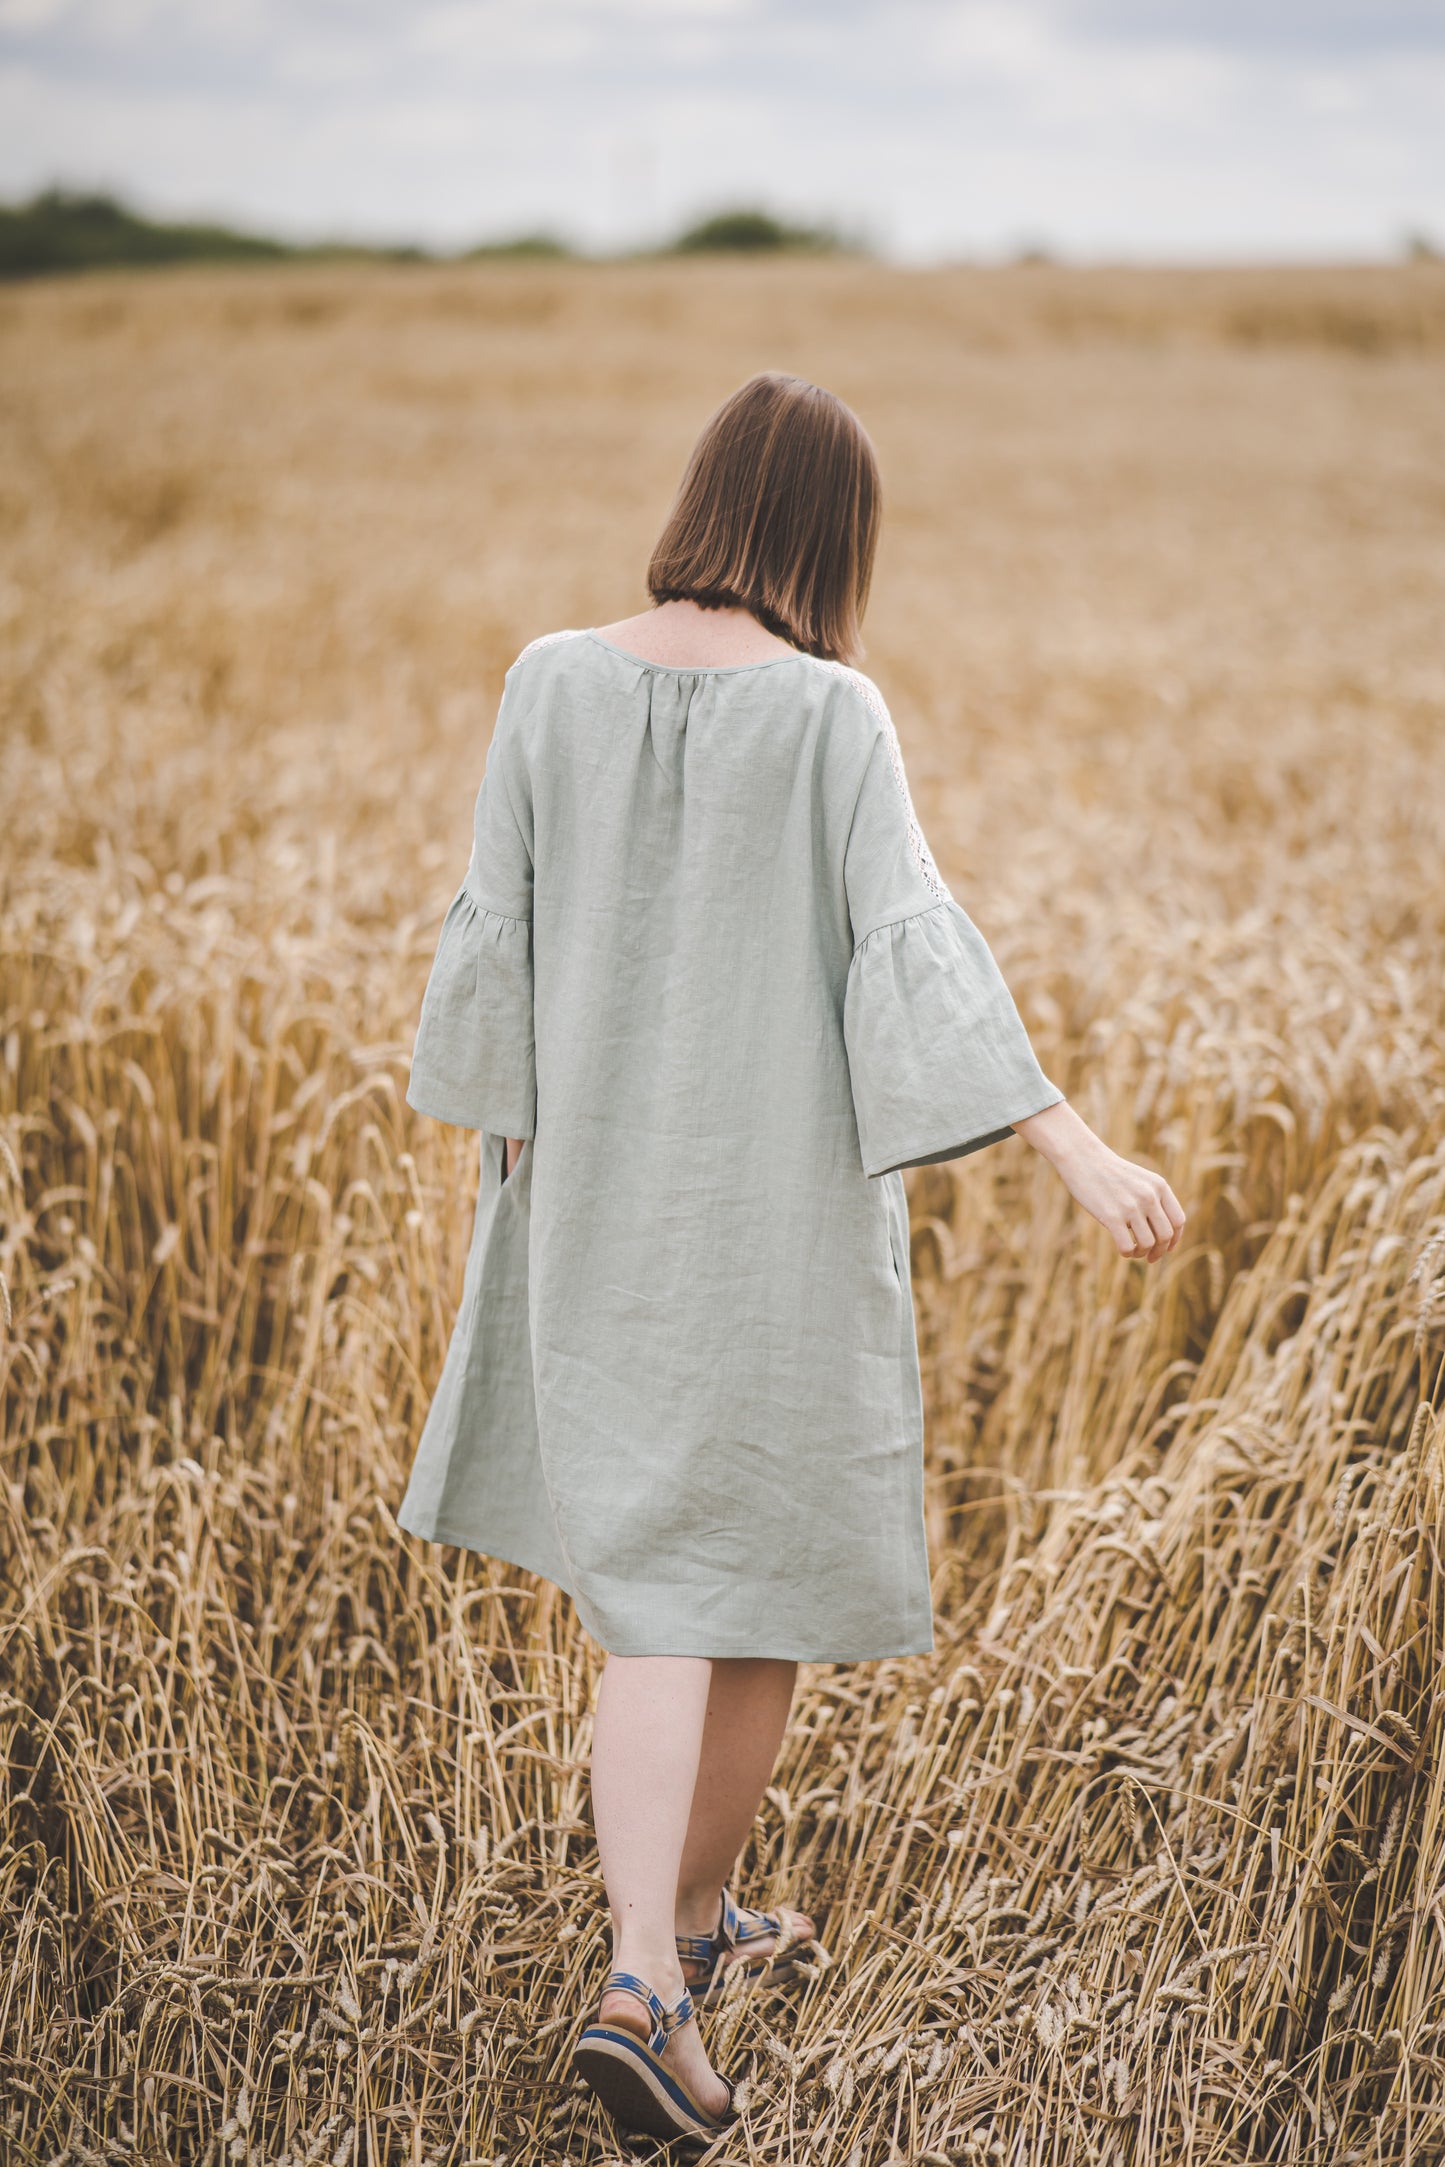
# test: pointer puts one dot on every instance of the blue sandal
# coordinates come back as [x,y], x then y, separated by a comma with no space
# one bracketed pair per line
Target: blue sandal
[720,1951]
[634,2084]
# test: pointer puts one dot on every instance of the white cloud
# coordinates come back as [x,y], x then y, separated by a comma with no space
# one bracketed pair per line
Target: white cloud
[30,14]
[993,39]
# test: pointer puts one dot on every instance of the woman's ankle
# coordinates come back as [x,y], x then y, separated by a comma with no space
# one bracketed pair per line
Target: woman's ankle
[655,1962]
[699,1911]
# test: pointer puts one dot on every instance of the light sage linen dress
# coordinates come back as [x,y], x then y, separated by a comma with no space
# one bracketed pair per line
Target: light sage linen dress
[703,960]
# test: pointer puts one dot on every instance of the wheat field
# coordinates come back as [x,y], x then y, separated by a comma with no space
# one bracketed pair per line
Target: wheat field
[1146,1862]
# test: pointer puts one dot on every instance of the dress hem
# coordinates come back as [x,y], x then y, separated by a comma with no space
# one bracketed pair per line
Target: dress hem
[628,1645]
[936,1154]
[456,1111]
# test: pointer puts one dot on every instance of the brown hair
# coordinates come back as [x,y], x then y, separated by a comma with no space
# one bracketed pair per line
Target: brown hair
[778,514]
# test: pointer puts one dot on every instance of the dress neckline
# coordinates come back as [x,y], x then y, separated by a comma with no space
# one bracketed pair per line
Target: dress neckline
[697,669]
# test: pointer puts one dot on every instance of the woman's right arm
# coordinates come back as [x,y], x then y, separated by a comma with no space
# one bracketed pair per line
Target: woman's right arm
[1137,1208]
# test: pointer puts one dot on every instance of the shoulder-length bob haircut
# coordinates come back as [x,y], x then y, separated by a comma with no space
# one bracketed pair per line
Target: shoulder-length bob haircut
[778,514]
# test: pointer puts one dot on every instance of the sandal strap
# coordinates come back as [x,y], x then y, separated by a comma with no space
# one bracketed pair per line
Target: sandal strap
[734,1931]
[665,2020]
[738,1928]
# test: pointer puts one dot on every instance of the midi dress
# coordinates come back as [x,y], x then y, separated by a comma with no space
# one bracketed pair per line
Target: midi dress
[703,962]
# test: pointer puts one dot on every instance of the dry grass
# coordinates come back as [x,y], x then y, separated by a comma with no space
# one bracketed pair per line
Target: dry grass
[1145,1862]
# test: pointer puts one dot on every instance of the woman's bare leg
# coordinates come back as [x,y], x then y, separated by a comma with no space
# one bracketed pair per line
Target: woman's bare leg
[747,1713]
[647,1737]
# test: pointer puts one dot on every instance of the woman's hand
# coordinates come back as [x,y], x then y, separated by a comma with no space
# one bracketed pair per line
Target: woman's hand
[1138,1209]
[511,1152]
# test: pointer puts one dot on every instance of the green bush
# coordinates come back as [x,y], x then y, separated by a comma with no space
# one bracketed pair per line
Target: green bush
[65,231]
[521,244]
[751,232]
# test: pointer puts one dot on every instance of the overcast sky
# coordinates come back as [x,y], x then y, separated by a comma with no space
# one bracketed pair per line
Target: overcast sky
[1117,128]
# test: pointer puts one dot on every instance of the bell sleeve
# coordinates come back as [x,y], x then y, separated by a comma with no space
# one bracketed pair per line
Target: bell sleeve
[474,1061]
[938,1057]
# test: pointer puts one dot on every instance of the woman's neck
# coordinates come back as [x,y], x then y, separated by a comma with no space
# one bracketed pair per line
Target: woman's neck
[683,635]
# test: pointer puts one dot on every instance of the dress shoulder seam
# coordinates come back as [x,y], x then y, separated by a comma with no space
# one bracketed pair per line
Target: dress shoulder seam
[550,639]
[878,707]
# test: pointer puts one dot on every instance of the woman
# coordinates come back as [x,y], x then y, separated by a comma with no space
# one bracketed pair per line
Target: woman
[705,994]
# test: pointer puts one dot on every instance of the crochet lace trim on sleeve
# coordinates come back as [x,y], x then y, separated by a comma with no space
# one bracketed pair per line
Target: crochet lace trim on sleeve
[549,639]
[923,856]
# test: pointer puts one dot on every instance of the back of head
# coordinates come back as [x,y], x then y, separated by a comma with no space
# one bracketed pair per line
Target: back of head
[777,514]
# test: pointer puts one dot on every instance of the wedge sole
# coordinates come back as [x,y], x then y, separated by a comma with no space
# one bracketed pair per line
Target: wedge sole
[639,2094]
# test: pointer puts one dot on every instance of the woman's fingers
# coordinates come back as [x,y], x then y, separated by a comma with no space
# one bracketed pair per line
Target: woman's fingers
[1173,1212]
[1137,1206]
[1151,1219]
[1161,1232]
